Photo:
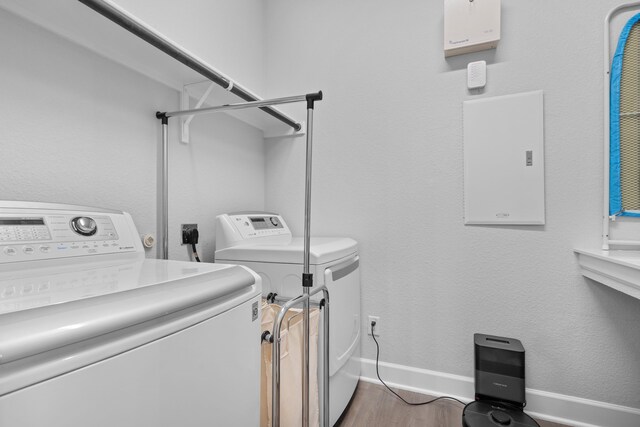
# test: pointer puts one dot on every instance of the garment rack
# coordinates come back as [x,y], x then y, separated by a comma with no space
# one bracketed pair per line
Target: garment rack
[307,277]
[119,16]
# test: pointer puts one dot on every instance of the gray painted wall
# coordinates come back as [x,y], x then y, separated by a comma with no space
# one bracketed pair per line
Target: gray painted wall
[388,172]
[221,170]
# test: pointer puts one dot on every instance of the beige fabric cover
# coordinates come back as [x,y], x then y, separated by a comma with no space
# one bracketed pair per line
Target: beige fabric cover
[290,368]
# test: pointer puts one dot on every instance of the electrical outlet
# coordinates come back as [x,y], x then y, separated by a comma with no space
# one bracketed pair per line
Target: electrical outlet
[377,327]
[185,229]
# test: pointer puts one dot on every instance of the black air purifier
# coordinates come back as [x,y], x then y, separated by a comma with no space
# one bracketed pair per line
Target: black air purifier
[499,381]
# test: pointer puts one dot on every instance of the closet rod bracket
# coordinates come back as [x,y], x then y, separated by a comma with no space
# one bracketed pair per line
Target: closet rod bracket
[185,121]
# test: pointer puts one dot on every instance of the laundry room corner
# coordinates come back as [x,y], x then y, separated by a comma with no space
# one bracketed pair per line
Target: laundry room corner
[453,219]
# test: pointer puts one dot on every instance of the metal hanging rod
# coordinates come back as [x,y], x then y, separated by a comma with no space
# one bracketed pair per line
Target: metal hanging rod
[118,16]
[238,106]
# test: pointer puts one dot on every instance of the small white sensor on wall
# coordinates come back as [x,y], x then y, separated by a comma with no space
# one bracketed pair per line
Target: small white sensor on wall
[476,75]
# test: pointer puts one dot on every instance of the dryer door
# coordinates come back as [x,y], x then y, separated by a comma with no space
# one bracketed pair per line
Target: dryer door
[343,282]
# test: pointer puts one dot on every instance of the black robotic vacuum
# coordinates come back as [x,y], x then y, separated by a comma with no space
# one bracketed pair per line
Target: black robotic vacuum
[492,414]
[499,384]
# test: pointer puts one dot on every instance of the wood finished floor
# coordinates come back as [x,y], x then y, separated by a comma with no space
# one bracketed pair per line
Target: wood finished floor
[374,406]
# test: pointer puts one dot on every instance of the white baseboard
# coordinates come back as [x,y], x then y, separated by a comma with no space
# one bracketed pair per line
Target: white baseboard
[569,410]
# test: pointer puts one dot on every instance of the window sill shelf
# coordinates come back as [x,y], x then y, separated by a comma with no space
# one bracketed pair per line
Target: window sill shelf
[619,269]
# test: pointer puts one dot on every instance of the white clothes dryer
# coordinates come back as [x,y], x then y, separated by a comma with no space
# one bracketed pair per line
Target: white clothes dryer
[94,334]
[263,242]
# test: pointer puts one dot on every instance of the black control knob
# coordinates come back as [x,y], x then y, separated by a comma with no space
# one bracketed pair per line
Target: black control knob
[274,221]
[84,226]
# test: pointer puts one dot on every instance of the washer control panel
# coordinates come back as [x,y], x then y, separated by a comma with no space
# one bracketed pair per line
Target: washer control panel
[38,231]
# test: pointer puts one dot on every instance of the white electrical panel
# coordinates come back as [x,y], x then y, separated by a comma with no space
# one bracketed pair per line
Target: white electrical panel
[471,26]
[504,160]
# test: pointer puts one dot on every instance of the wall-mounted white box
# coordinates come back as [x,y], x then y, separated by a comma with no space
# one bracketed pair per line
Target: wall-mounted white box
[470,26]
[504,160]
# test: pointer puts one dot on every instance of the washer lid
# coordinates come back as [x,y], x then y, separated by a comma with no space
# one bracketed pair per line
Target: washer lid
[52,307]
[323,250]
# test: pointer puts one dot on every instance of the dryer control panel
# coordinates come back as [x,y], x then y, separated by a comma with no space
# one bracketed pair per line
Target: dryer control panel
[36,231]
[239,228]
[259,225]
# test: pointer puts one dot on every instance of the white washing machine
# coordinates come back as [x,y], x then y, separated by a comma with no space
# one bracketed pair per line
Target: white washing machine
[94,334]
[263,242]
